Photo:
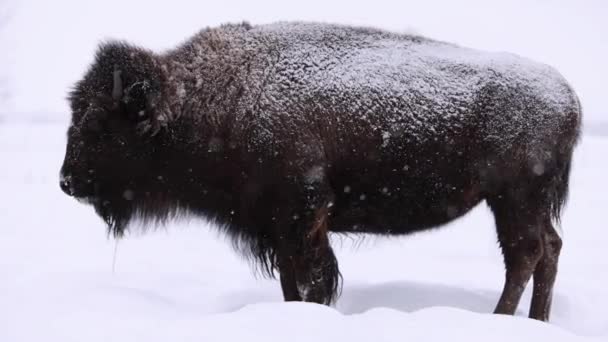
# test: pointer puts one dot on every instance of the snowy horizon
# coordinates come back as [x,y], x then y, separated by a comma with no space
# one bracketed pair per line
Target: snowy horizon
[64,34]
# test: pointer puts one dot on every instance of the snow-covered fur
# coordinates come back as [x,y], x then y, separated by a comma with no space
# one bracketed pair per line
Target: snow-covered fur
[285,132]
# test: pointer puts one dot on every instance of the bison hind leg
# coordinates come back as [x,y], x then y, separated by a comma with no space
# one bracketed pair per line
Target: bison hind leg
[545,274]
[531,246]
[518,229]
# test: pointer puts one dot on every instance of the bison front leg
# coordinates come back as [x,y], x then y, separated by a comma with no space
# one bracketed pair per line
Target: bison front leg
[316,267]
[308,268]
[307,264]
[287,270]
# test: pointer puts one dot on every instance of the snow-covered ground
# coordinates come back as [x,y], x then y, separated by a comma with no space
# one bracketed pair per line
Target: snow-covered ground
[185,283]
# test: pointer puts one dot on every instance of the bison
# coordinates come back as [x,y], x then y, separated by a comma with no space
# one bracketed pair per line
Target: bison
[284,133]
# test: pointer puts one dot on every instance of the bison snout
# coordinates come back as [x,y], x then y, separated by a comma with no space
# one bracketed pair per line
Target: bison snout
[65,182]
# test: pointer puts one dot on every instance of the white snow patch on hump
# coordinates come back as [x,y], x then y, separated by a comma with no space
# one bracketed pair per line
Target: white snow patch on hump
[410,84]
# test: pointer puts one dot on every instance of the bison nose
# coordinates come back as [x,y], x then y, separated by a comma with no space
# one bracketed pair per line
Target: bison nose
[66,186]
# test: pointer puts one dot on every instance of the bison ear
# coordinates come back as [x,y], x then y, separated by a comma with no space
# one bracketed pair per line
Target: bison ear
[137,85]
[140,102]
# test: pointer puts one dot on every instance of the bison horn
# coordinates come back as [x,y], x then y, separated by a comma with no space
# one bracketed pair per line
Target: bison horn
[117,85]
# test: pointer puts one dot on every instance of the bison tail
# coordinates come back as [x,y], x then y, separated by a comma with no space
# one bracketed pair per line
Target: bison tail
[559,190]
[558,193]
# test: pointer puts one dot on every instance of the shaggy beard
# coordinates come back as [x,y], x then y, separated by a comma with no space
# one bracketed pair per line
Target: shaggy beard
[115,217]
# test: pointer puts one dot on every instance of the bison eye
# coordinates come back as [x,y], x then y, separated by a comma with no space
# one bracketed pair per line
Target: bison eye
[94,124]
[94,119]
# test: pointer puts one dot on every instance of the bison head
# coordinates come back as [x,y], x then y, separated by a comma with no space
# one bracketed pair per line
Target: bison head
[117,109]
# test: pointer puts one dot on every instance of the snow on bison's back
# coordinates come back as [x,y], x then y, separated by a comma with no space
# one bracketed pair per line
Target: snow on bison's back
[411,86]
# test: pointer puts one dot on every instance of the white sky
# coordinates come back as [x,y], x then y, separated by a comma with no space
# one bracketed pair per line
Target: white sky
[48,44]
